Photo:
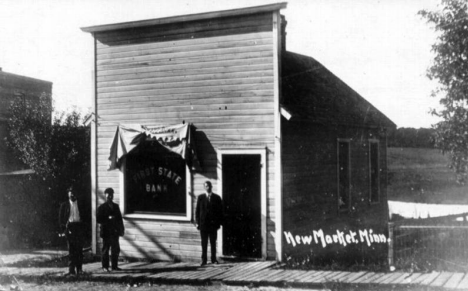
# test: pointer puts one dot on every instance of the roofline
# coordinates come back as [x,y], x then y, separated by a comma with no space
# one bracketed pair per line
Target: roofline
[25,77]
[185,18]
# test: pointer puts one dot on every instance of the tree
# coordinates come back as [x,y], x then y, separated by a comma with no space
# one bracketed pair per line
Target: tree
[450,69]
[57,147]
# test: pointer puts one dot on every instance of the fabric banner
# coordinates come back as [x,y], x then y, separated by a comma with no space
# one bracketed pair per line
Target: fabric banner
[178,139]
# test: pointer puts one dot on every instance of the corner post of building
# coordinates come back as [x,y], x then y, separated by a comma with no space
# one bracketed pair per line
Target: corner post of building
[94,156]
[277,130]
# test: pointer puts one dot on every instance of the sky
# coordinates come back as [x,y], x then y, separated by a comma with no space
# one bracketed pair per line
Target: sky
[380,48]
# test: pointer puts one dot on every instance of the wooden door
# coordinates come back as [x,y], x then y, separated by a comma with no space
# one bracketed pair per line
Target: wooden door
[242,235]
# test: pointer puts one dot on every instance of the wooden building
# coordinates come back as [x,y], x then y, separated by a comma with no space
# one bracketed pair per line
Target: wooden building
[215,96]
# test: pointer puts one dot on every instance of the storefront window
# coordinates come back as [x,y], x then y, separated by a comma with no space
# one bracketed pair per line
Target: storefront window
[155,182]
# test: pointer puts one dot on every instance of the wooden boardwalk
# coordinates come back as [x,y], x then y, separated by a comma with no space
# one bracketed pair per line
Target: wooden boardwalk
[256,273]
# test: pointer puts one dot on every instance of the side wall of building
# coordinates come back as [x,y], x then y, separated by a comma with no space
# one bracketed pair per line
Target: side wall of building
[310,198]
[216,74]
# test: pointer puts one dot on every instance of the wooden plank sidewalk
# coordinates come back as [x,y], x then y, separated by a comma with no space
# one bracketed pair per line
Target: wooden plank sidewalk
[246,273]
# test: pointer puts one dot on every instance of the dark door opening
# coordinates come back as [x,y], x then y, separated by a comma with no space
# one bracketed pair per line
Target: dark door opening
[242,236]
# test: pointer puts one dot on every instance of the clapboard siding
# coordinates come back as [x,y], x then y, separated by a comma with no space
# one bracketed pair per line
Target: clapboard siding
[196,120]
[136,49]
[218,75]
[128,78]
[185,53]
[188,116]
[141,39]
[217,45]
[198,28]
[212,91]
[221,108]
[147,69]
[227,97]
[205,58]
[188,78]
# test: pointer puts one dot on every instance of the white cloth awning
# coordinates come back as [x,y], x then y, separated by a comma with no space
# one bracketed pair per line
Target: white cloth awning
[177,138]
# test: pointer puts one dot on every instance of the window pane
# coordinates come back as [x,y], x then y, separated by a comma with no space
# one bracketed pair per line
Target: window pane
[155,183]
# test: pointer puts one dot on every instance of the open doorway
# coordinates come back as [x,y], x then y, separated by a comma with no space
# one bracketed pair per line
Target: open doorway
[242,195]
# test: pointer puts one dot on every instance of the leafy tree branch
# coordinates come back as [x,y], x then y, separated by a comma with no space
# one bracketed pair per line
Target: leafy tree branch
[450,69]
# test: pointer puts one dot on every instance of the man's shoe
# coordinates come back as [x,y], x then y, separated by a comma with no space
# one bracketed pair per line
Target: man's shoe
[69,274]
[116,269]
[215,262]
[106,270]
[203,264]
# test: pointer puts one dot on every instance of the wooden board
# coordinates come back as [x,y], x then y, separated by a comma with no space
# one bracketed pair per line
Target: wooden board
[309,276]
[463,283]
[454,281]
[368,277]
[352,276]
[441,279]
[429,278]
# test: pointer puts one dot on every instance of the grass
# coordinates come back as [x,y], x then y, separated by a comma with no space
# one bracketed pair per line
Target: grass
[423,176]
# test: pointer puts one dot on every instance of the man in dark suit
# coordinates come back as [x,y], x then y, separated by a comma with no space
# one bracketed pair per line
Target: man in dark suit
[112,227]
[209,218]
[71,225]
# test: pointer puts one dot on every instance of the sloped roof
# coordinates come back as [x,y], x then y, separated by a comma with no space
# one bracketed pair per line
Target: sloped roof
[311,92]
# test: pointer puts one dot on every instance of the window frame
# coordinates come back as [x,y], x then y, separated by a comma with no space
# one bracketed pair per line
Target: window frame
[374,142]
[188,199]
[347,141]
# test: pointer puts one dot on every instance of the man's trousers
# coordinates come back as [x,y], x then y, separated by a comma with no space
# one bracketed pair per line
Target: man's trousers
[212,235]
[75,241]
[110,243]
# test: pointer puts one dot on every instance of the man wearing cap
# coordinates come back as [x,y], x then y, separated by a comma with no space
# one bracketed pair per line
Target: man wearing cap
[112,227]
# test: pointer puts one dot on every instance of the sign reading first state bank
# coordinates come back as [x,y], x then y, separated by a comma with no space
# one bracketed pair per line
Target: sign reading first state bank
[156,184]
[152,171]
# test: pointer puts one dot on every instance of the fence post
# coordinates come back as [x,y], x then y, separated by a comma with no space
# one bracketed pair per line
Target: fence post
[391,227]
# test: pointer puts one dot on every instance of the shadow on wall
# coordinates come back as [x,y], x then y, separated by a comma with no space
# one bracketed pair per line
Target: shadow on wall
[206,155]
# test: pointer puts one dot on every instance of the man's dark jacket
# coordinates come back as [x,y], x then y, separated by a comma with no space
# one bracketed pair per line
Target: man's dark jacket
[110,227]
[209,214]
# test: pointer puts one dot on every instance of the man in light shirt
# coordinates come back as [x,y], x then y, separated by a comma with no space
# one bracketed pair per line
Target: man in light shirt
[71,225]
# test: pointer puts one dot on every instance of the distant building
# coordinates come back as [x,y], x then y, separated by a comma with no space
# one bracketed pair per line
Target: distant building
[15,86]
[13,171]
[298,157]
